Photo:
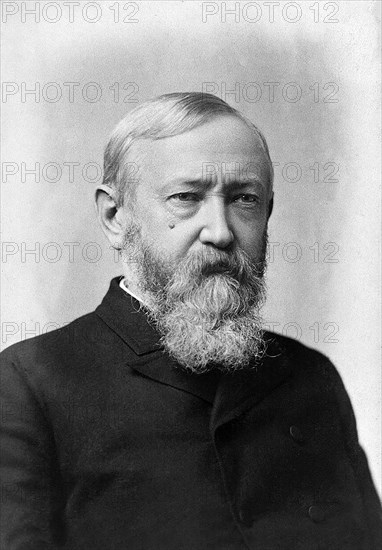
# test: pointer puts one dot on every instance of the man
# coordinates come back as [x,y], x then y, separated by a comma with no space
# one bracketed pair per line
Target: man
[167,419]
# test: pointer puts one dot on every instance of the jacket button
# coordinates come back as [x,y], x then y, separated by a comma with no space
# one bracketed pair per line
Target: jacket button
[316,514]
[296,433]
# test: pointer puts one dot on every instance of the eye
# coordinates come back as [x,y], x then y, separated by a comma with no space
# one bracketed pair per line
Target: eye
[184,197]
[247,198]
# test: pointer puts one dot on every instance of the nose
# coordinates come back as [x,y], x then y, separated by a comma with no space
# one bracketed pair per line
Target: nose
[216,229]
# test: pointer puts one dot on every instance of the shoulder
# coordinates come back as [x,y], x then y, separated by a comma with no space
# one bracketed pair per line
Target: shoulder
[292,349]
[307,366]
[61,356]
[59,340]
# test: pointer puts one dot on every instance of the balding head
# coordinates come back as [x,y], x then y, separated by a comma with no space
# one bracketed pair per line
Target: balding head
[165,116]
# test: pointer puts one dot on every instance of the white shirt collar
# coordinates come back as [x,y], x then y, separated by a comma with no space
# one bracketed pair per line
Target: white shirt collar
[124,285]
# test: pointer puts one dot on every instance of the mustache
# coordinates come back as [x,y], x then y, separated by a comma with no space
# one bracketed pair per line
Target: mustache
[227,265]
[234,264]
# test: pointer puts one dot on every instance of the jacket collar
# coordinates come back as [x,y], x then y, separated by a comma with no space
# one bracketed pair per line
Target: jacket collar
[231,394]
[126,317]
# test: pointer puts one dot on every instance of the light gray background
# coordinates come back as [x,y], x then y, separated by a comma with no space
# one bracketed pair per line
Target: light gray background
[170,48]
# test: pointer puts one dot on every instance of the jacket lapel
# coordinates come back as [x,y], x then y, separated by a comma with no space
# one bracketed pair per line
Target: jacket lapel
[125,316]
[161,368]
[241,390]
[231,394]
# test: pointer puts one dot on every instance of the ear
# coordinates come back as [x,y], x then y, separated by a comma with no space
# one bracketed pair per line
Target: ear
[270,205]
[110,216]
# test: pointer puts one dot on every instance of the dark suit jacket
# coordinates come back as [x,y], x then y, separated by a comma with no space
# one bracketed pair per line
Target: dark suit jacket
[107,445]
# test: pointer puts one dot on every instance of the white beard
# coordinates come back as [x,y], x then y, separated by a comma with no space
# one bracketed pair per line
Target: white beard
[205,307]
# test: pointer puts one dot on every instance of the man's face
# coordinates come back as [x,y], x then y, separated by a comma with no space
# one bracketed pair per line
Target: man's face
[211,184]
[197,240]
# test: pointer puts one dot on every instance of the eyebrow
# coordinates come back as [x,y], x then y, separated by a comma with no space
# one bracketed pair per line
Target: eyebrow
[204,183]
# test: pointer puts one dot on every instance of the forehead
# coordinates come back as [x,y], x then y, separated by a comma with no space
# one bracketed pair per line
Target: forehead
[221,145]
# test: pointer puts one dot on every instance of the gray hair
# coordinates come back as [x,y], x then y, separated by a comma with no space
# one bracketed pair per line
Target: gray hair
[164,116]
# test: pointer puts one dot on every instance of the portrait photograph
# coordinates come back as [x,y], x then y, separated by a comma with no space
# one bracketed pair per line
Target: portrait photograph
[190,275]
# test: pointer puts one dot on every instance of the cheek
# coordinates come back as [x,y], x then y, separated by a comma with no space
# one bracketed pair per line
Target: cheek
[177,242]
[167,237]
[152,221]
[251,229]
[251,238]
